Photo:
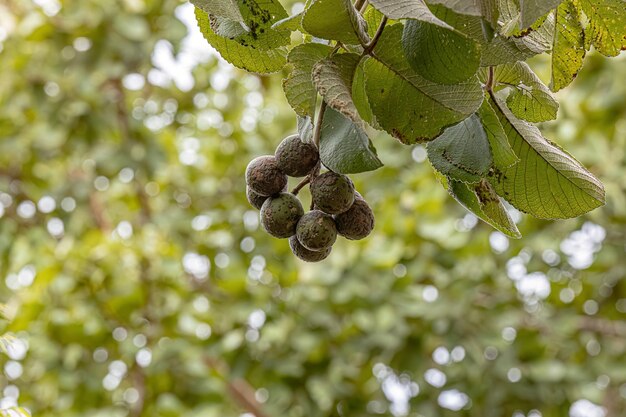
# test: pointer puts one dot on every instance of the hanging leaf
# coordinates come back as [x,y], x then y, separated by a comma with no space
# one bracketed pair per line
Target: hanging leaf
[291,23]
[298,86]
[607,25]
[228,9]
[530,99]
[501,151]
[531,10]
[568,50]
[359,97]
[462,151]
[305,129]
[495,50]
[438,54]
[333,79]
[406,105]
[336,20]
[345,147]
[482,200]
[547,182]
[408,9]
[245,57]
[227,28]
[487,9]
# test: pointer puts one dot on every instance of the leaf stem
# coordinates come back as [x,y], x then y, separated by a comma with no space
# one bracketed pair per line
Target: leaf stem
[372,44]
[490,80]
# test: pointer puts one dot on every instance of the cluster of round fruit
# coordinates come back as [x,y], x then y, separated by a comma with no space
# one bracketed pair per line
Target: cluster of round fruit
[336,207]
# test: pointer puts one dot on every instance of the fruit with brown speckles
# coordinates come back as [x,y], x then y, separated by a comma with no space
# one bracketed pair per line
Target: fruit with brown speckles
[264,177]
[296,158]
[280,215]
[316,230]
[307,255]
[332,193]
[356,223]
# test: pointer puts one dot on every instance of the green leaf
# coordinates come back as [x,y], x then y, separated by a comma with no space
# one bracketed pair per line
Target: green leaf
[333,79]
[246,57]
[531,10]
[345,147]
[568,50]
[547,182]
[607,25]
[305,129]
[222,8]
[256,30]
[469,7]
[494,50]
[359,97]
[482,200]
[259,16]
[462,151]
[501,151]
[488,9]
[406,105]
[373,18]
[336,20]
[226,28]
[438,54]
[530,99]
[291,23]
[537,39]
[408,9]
[298,86]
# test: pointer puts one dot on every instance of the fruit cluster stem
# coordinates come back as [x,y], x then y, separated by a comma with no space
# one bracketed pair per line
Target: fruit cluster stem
[301,184]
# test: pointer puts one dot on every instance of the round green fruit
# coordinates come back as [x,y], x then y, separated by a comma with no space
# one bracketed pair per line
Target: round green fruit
[316,230]
[280,215]
[257,200]
[307,255]
[356,223]
[332,193]
[264,177]
[296,158]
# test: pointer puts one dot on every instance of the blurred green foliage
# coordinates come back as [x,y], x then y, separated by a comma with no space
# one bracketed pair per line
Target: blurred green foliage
[136,281]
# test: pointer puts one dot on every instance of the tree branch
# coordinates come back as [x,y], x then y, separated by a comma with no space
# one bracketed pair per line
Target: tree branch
[372,44]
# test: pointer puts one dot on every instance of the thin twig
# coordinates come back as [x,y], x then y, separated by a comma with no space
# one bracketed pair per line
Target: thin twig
[301,185]
[239,389]
[372,44]
[243,393]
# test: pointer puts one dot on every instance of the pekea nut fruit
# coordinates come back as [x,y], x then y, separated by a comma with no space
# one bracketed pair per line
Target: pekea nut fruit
[356,223]
[264,177]
[316,230]
[307,255]
[332,193]
[280,215]
[256,200]
[296,158]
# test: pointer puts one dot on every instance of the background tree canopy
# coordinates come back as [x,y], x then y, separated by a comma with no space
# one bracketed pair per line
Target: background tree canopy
[136,281]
